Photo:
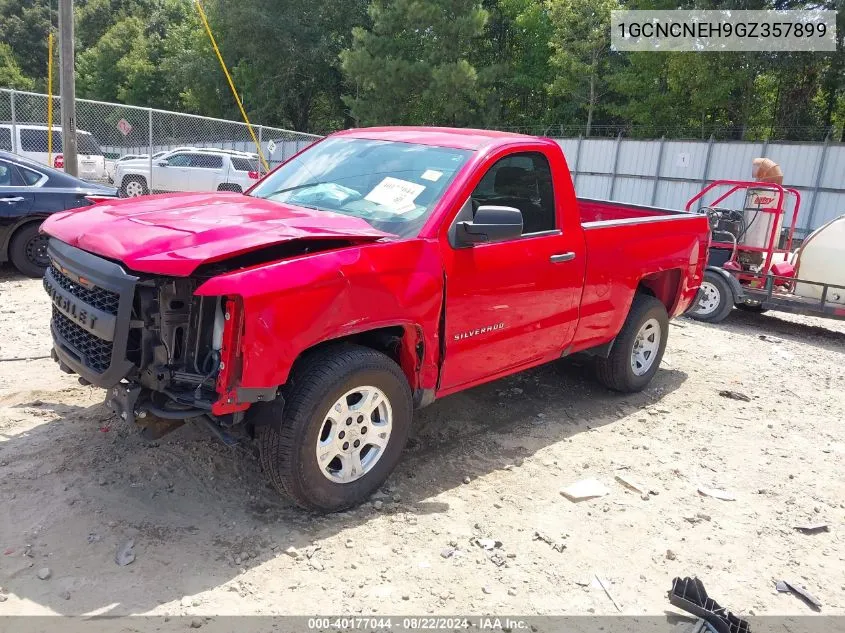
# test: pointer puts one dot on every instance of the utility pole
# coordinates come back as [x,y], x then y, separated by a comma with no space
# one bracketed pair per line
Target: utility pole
[67,86]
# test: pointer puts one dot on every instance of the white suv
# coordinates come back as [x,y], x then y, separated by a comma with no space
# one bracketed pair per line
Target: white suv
[188,169]
[30,140]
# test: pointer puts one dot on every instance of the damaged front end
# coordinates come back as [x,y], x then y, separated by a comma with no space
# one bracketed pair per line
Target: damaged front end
[165,354]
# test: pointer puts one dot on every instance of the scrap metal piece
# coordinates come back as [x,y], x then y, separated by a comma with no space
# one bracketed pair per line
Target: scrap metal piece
[786,586]
[689,594]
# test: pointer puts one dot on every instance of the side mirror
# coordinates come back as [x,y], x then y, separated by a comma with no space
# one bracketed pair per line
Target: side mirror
[490,224]
[162,163]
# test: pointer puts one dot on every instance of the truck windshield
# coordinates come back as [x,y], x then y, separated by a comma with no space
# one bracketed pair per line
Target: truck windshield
[393,186]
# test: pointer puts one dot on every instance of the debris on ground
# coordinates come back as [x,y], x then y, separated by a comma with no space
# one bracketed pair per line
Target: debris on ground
[44,573]
[788,586]
[64,595]
[734,395]
[540,536]
[490,548]
[812,528]
[724,495]
[671,555]
[603,584]
[125,553]
[690,595]
[584,489]
[632,485]
[770,338]
[698,517]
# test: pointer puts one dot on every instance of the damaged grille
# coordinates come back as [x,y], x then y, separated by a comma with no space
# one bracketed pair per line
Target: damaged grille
[99,298]
[96,352]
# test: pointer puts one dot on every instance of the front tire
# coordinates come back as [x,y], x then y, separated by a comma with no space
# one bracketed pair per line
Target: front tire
[345,423]
[28,250]
[715,301]
[638,349]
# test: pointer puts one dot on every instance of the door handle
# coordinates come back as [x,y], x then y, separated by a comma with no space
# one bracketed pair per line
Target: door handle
[16,199]
[562,257]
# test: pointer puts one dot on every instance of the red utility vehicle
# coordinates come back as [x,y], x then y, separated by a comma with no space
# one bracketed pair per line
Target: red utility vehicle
[748,268]
[377,270]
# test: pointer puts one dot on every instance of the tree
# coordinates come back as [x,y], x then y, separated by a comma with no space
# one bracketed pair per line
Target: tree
[581,44]
[414,64]
[24,26]
[10,73]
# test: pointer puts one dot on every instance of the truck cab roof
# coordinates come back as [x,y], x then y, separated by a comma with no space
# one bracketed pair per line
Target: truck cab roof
[458,138]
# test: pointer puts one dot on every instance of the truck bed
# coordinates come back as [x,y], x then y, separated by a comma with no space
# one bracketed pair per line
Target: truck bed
[626,243]
[594,211]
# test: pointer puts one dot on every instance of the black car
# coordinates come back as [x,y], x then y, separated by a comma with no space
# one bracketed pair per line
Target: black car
[29,192]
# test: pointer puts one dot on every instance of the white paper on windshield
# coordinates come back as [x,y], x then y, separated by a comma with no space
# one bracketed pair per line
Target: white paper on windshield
[397,194]
[432,175]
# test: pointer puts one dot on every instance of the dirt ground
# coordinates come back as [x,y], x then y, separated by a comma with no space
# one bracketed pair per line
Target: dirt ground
[212,538]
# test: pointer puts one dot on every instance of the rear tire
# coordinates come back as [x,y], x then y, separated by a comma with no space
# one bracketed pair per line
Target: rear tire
[28,250]
[309,455]
[715,301]
[133,187]
[638,349]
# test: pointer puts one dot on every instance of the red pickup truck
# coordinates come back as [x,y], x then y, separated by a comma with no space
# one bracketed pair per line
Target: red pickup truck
[375,271]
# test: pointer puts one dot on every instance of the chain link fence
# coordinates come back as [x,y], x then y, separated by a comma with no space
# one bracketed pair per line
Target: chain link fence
[109,132]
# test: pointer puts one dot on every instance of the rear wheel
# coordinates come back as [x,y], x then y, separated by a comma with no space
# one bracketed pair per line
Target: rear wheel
[343,428]
[715,299]
[28,250]
[638,349]
[133,187]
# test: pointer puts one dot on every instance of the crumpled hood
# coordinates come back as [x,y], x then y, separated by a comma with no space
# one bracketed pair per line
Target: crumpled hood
[174,234]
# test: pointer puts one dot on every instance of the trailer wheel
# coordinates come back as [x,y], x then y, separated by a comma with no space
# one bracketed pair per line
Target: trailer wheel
[345,422]
[715,301]
[638,349]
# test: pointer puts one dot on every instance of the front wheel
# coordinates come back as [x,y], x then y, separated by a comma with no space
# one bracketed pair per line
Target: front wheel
[638,349]
[343,428]
[28,250]
[715,299]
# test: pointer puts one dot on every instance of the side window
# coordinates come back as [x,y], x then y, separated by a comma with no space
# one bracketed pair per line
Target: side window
[179,160]
[522,181]
[207,161]
[29,177]
[6,139]
[35,140]
[5,174]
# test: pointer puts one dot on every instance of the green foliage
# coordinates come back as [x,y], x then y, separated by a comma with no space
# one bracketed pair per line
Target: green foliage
[415,64]
[581,46]
[10,73]
[527,64]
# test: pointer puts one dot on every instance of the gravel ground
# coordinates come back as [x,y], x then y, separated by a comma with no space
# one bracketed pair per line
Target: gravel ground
[210,537]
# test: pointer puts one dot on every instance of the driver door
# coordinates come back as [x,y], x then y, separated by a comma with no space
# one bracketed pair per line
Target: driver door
[512,304]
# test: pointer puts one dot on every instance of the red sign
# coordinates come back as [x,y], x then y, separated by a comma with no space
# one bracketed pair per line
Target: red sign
[124,127]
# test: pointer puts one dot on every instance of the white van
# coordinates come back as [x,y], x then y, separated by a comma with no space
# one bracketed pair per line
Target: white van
[30,140]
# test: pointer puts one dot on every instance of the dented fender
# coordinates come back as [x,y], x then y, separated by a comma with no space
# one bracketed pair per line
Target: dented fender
[292,305]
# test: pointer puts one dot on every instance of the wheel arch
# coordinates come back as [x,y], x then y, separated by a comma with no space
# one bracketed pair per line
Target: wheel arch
[665,286]
[403,343]
[736,287]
